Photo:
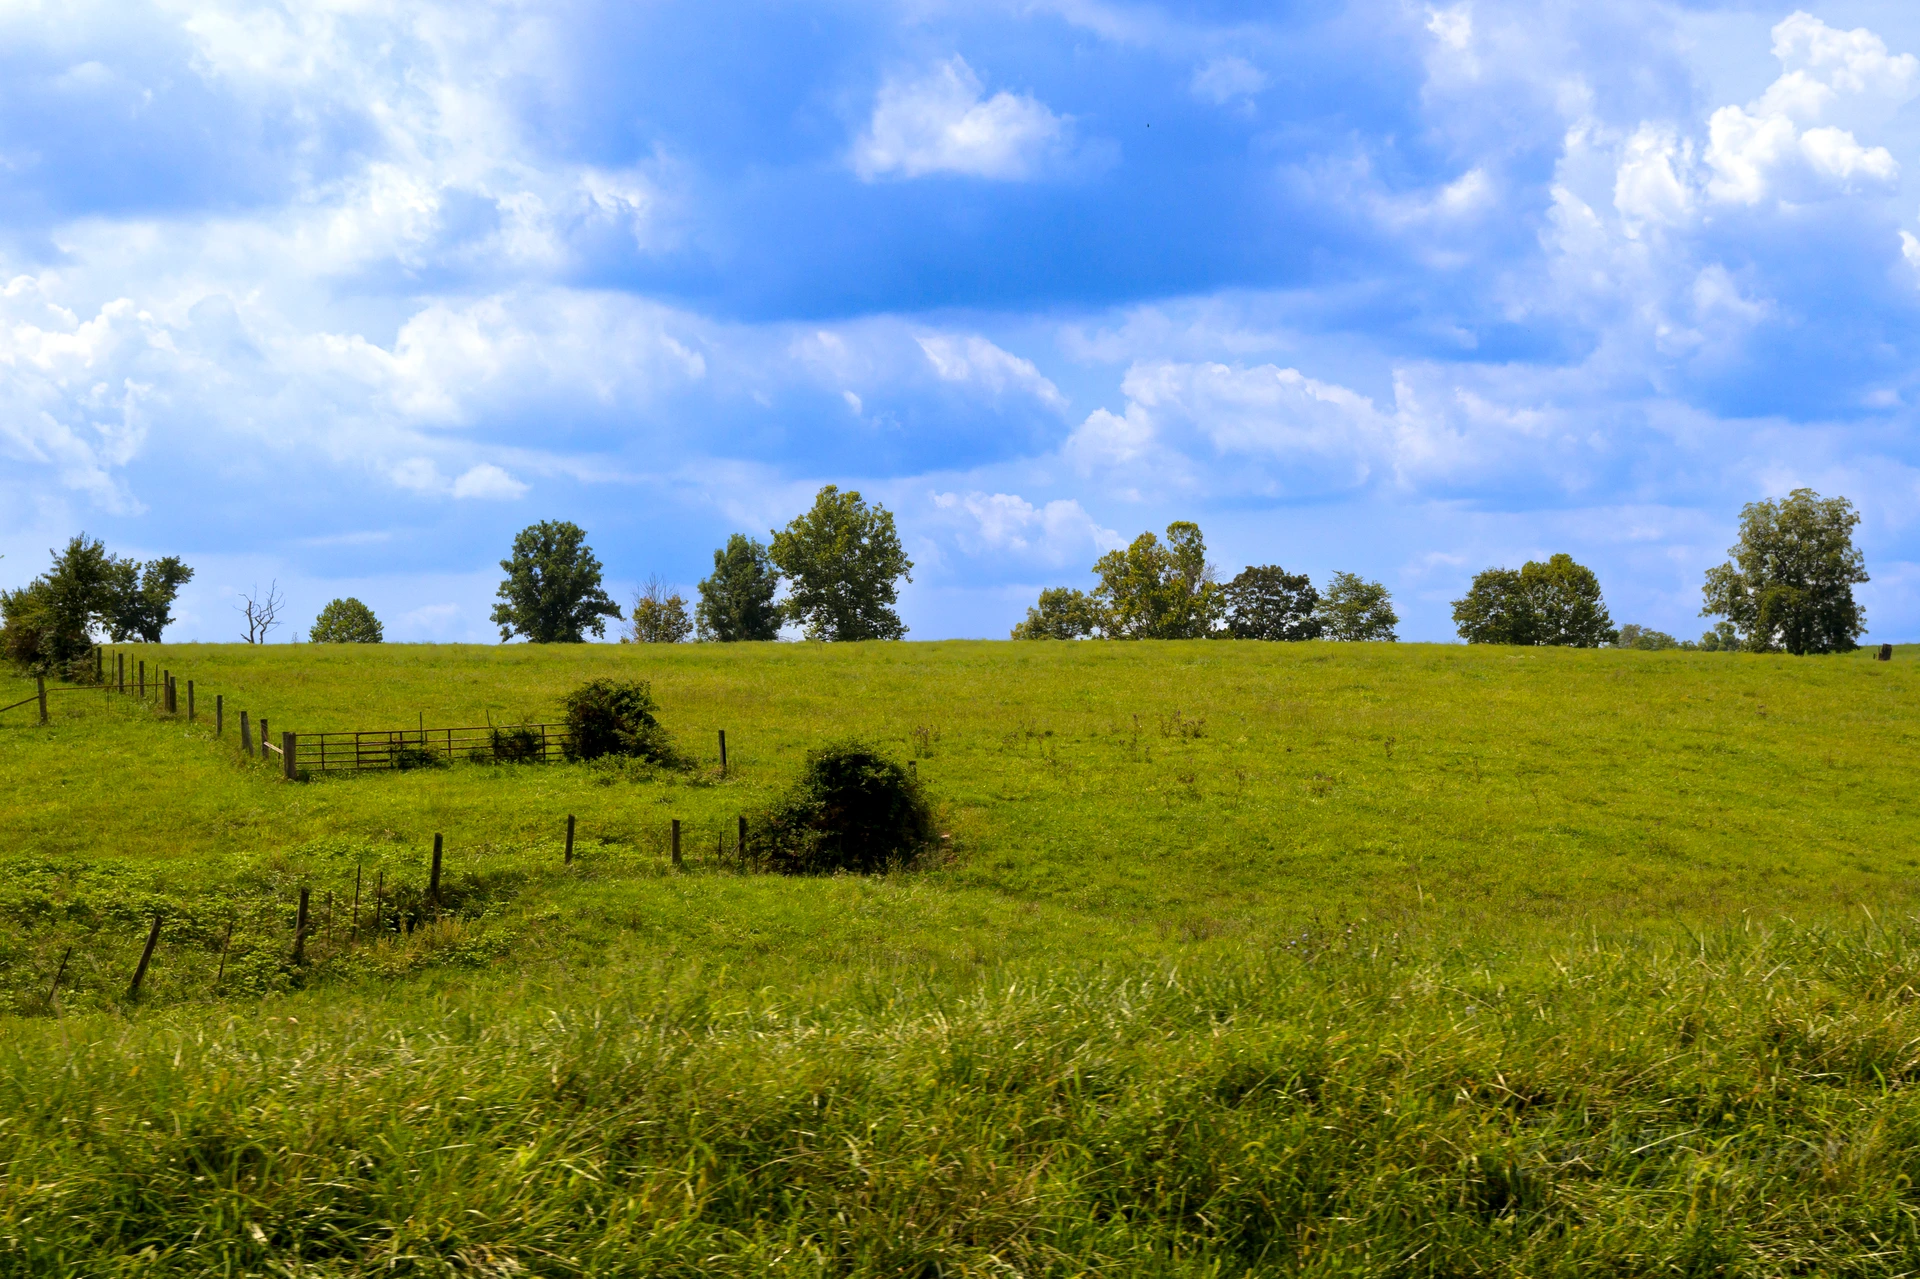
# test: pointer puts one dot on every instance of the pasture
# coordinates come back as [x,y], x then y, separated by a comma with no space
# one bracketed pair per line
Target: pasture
[1306,958]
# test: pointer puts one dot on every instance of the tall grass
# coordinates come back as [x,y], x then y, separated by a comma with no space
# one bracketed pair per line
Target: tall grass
[1738,1104]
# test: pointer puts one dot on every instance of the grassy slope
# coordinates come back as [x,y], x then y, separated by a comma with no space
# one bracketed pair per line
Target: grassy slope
[1526,797]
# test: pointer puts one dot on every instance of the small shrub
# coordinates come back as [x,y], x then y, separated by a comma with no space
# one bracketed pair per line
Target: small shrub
[853,809]
[516,745]
[410,757]
[616,717]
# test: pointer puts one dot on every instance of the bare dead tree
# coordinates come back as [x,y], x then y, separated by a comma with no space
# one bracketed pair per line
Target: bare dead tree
[261,611]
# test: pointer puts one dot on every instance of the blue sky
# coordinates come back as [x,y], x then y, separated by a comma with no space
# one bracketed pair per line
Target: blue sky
[344,294]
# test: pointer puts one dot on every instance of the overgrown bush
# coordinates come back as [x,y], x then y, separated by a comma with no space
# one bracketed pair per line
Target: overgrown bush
[515,745]
[854,808]
[39,637]
[616,717]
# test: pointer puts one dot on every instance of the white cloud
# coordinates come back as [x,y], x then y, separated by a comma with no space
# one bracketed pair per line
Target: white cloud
[940,123]
[1453,26]
[488,481]
[1781,146]
[1765,149]
[1059,532]
[1653,185]
[977,361]
[1263,410]
[1226,78]
[1757,156]
[1848,61]
[483,480]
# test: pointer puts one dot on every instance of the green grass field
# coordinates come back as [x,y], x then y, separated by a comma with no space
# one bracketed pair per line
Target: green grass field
[1238,958]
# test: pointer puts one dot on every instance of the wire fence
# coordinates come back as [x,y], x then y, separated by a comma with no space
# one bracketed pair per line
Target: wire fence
[306,754]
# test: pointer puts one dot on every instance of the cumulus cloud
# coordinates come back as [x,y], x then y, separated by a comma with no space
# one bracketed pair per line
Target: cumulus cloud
[1775,147]
[1654,183]
[942,123]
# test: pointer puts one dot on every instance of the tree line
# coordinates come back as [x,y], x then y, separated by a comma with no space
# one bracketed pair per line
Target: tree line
[1169,590]
[1787,587]
[841,563]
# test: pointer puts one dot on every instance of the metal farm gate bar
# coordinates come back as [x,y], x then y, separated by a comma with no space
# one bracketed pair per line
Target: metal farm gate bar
[425,747]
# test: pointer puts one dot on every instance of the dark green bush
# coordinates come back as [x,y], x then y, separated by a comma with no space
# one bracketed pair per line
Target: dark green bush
[616,717]
[854,808]
[516,745]
[410,757]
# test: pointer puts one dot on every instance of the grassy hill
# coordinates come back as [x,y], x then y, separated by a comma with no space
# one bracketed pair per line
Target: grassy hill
[1288,958]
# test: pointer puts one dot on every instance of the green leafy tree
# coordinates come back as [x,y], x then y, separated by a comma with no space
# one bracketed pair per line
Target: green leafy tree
[1062,613]
[1646,639]
[1790,582]
[1155,591]
[1268,603]
[736,603]
[140,599]
[552,592]
[1354,609]
[50,622]
[1553,602]
[1495,609]
[842,560]
[1721,639]
[658,617]
[1567,608]
[346,621]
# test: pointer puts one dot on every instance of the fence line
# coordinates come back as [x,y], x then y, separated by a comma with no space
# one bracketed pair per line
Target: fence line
[347,750]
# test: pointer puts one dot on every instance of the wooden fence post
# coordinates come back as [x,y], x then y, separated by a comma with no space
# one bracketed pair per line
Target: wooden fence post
[120,670]
[569,839]
[264,739]
[58,973]
[146,957]
[300,929]
[353,933]
[433,882]
[219,714]
[676,843]
[289,750]
[220,977]
[740,844]
[246,737]
[143,679]
[40,685]
[99,665]
[189,701]
[723,750]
